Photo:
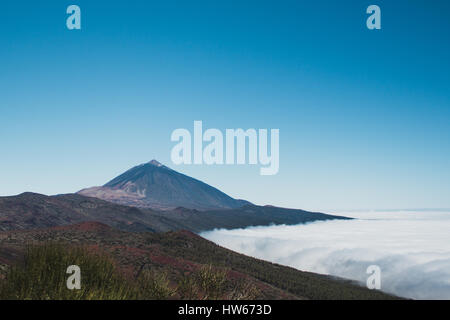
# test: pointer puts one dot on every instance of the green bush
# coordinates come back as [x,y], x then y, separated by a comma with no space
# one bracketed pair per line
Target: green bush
[187,288]
[212,282]
[154,286]
[42,275]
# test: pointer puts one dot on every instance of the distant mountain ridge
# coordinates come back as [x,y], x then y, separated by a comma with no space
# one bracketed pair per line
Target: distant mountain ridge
[36,211]
[153,185]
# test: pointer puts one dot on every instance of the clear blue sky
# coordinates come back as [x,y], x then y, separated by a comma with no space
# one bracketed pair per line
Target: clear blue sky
[363,115]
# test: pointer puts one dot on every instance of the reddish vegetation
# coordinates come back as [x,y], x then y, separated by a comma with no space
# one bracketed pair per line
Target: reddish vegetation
[92,226]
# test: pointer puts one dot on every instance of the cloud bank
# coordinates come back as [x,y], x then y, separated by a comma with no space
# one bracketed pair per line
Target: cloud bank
[411,248]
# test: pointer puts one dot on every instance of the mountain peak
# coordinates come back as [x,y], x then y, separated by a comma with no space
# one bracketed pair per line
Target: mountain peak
[153,185]
[156,163]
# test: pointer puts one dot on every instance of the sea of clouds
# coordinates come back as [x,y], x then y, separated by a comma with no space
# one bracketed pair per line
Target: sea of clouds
[412,249]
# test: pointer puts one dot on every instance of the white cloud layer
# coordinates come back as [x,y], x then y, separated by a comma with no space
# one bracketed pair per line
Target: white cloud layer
[411,248]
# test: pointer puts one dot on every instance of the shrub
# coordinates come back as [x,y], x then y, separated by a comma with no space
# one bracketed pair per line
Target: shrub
[154,286]
[42,275]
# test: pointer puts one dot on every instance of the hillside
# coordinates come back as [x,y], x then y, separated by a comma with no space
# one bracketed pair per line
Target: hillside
[182,253]
[31,211]
[246,216]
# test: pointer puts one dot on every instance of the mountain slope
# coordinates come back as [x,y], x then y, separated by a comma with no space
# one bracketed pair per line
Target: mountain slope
[153,185]
[32,211]
[246,216]
[182,252]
